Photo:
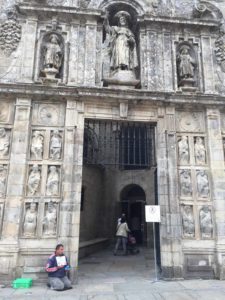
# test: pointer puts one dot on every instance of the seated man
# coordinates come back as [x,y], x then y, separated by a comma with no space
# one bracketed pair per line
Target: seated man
[56,267]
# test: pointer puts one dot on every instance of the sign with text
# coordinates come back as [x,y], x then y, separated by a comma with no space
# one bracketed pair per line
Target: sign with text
[152,213]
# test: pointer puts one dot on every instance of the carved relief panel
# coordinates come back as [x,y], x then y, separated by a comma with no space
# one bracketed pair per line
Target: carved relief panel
[6,112]
[43,193]
[3,180]
[193,173]
[40,219]
[5,136]
[190,121]
[188,221]
[206,222]
[1,215]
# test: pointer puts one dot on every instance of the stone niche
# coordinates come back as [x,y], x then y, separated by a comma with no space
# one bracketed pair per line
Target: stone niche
[121,66]
[51,57]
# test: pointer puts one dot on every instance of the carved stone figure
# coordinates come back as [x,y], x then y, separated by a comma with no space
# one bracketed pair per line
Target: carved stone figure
[37,145]
[56,145]
[200,152]
[183,150]
[4,143]
[53,55]
[50,220]
[30,221]
[186,67]
[52,186]
[185,64]
[185,183]
[2,180]
[10,33]
[202,184]
[206,225]
[34,180]
[122,46]
[188,221]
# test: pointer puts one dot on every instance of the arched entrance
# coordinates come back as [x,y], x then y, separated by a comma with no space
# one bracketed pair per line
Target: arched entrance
[133,200]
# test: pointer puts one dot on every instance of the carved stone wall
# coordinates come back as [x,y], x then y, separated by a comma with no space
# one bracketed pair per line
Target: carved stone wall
[54,57]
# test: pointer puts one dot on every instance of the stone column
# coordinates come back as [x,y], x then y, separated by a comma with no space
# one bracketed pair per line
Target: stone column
[72,181]
[216,158]
[170,228]
[16,178]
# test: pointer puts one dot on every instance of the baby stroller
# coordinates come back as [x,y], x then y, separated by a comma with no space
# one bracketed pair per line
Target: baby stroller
[132,245]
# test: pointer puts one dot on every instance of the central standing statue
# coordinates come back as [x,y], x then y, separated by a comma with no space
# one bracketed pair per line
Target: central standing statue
[122,44]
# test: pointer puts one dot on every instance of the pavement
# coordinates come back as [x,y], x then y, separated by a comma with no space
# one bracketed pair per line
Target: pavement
[103,276]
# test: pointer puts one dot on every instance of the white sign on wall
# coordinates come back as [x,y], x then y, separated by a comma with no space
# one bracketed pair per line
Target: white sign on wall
[152,213]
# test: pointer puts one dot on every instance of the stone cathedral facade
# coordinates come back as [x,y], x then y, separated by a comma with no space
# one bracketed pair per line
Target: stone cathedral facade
[68,69]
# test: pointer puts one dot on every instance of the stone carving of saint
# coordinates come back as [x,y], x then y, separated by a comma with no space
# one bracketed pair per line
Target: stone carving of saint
[34,180]
[183,150]
[50,220]
[200,156]
[37,145]
[52,186]
[4,143]
[30,221]
[2,180]
[55,145]
[186,64]
[188,221]
[53,53]
[203,184]
[206,225]
[122,44]
[185,183]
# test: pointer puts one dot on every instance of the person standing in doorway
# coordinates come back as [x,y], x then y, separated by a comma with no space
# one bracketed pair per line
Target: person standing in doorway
[122,234]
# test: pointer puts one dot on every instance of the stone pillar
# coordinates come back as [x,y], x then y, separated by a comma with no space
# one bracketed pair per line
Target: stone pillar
[28,56]
[216,158]
[170,228]
[16,178]
[72,181]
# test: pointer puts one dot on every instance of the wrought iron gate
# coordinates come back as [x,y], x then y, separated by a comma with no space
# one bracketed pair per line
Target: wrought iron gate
[127,145]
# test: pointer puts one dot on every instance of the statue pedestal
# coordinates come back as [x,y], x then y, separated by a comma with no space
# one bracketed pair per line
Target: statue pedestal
[187,85]
[50,76]
[122,79]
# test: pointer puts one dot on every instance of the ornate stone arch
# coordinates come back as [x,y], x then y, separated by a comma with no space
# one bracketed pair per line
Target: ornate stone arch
[139,6]
[206,10]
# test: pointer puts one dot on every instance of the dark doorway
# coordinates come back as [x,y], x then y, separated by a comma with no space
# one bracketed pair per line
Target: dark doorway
[133,201]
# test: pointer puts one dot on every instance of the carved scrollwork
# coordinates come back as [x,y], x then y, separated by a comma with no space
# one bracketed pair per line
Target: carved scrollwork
[10,33]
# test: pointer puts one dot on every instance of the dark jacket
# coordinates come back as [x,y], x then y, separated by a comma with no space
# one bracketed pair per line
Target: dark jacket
[52,267]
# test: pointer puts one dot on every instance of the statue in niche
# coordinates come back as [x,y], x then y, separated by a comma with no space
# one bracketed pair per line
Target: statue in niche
[185,183]
[4,143]
[34,180]
[122,48]
[200,152]
[37,145]
[50,219]
[55,145]
[52,182]
[2,180]
[186,67]
[183,150]
[206,225]
[203,184]
[53,57]
[30,220]
[188,221]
